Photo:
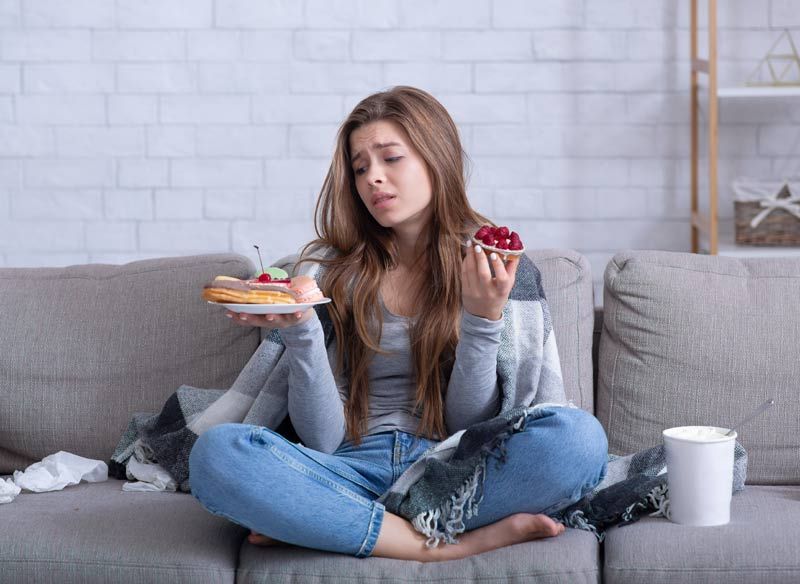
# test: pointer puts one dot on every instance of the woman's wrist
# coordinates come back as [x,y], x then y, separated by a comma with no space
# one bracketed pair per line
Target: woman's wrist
[487,316]
[301,330]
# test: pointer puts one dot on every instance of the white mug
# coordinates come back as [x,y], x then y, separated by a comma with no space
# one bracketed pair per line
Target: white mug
[699,474]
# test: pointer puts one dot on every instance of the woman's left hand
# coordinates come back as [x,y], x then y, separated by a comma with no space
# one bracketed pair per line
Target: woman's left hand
[483,295]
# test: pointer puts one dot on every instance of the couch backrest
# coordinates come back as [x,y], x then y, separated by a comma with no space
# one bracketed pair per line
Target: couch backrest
[84,347]
[567,283]
[703,340]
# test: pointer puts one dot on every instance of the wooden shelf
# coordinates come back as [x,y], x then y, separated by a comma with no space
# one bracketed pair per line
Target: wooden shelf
[708,235]
[765,92]
[726,246]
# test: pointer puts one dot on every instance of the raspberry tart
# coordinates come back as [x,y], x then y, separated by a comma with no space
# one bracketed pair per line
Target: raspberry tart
[500,240]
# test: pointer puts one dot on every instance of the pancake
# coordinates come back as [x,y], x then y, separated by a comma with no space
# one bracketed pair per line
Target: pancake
[230,296]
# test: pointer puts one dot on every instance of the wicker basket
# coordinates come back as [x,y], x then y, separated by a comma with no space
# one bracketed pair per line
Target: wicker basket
[767,213]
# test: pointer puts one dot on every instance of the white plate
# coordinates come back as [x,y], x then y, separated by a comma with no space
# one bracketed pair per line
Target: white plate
[270,308]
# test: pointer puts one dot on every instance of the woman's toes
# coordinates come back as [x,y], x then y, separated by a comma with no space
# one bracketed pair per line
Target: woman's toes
[536,526]
[258,539]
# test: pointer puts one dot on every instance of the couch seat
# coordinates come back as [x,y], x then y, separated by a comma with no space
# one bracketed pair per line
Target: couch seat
[759,545]
[97,533]
[571,558]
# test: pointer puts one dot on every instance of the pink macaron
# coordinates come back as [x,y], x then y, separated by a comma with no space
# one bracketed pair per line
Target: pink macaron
[305,289]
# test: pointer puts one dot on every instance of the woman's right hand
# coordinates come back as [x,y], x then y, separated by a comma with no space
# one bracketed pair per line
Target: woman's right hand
[270,321]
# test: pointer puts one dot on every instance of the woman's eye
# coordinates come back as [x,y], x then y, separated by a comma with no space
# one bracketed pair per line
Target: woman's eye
[362,170]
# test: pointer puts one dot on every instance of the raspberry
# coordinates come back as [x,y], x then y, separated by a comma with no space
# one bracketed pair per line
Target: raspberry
[482,232]
[515,245]
[502,232]
[514,235]
[488,239]
[502,244]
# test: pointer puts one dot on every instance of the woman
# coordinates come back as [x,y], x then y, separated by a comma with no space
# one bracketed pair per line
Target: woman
[417,322]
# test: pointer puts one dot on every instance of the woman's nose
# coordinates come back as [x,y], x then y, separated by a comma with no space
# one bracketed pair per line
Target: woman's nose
[374,176]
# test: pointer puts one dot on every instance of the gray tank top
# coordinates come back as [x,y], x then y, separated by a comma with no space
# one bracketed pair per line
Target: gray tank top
[392,381]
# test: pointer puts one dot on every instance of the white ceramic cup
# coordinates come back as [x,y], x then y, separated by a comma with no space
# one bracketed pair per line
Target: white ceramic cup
[699,474]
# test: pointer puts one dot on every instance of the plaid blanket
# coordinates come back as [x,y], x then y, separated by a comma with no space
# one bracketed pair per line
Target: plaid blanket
[634,486]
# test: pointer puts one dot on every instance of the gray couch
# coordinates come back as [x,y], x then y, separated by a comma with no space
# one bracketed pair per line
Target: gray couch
[685,339]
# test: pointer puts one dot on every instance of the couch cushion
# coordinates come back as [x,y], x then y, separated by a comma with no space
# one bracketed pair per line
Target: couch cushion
[567,283]
[693,339]
[97,533]
[759,545]
[572,557]
[84,347]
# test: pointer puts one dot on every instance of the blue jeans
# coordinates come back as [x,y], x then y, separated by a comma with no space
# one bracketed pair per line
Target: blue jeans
[258,479]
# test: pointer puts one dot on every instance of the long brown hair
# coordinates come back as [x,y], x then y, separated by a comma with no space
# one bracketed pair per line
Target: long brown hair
[367,251]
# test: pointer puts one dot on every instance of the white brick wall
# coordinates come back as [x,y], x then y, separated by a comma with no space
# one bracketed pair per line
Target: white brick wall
[132,129]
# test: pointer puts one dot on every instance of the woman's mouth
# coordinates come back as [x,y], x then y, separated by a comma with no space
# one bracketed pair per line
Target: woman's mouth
[382,200]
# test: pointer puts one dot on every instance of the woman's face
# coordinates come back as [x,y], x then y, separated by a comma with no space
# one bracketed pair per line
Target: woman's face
[391,177]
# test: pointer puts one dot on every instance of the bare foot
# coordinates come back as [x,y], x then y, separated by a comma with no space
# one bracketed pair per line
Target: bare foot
[398,539]
[530,527]
[258,539]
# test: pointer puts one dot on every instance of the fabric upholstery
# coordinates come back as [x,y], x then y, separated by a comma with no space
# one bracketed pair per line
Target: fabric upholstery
[83,347]
[567,283]
[758,546]
[95,533]
[702,340]
[571,558]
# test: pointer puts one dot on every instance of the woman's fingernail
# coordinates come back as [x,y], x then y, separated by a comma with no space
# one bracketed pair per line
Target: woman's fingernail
[478,249]
[492,256]
[243,317]
[229,315]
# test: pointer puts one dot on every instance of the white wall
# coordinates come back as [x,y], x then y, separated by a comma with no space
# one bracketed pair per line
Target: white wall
[141,128]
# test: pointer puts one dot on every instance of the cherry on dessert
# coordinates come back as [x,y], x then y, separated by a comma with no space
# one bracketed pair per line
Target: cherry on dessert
[265,278]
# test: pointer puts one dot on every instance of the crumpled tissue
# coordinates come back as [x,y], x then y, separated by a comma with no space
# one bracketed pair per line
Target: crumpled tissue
[8,490]
[56,471]
[151,477]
